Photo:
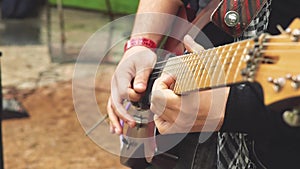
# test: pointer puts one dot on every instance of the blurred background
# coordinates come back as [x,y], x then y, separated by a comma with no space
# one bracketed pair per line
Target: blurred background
[40,41]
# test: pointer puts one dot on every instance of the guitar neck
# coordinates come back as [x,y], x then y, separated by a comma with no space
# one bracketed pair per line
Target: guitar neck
[215,67]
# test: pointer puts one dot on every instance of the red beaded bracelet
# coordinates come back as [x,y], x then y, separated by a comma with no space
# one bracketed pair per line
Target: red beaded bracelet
[139,42]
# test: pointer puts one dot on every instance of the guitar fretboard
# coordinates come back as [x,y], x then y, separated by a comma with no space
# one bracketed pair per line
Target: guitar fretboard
[210,68]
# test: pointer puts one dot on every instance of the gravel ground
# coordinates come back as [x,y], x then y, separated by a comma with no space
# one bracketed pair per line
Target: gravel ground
[52,137]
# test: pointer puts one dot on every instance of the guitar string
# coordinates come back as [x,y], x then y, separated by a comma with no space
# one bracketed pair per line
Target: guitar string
[195,59]
[209,50]
[267,60]
[245,49]
[201,57]
[213,66]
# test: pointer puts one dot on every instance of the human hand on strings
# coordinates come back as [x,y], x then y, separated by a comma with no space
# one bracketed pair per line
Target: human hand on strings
[129,82]
[194,112]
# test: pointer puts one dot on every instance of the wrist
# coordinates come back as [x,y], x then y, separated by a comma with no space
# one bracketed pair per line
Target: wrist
[140,41]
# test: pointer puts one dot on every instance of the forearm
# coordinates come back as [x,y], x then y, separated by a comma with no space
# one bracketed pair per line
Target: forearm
[152,20]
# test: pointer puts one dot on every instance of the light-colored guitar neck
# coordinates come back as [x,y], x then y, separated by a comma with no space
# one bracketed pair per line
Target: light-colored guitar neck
[273,61]
[210,68]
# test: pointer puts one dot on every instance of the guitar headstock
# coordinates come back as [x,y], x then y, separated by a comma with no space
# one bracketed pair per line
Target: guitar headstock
[294,30]
[279,71]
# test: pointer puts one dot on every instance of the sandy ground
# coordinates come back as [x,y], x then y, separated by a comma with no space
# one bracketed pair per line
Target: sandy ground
[52,137]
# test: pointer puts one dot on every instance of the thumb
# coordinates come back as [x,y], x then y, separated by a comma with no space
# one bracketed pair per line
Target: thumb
[191,45]
[141,80]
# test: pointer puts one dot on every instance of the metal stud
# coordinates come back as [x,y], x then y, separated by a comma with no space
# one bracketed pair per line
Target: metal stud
[231,18]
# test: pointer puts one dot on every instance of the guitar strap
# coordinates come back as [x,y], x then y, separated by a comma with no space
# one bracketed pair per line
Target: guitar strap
[230,16]
[235,16]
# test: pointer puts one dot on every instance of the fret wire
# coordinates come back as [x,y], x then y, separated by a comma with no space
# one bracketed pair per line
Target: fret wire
[191,71]
[246,50]
[197,71]
[265,44]
[223,66]
[224,49]
[190,77]
[184,73]
[182,56]
[235,66]
[181,62]
[183,82]
[228,70]
[177,70]
[264,51]
[192,80]
[213,66]
[220,71]
[206,58]
[228,63]
[185,55]
[201,70]
[216,71]
[208,68]
[180,74]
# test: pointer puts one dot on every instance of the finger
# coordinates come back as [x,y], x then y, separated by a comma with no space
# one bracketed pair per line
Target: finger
[141,79]
[117,104]
[166,98]
[120,84]
[143,70]
[157,109]
[122,113]
[115,126]
[111,128]
[162,105]
[161,124]
[133,96]
[165,81]
[191,45]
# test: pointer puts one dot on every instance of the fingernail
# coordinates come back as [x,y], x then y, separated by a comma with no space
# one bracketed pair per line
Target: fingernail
[139,85]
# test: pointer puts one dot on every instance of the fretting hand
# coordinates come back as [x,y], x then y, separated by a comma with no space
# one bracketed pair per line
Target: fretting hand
[194,112]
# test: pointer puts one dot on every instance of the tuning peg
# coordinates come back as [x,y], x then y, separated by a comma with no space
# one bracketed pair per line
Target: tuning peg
[277,83]
[281,30]
[295,80]
[296,35]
